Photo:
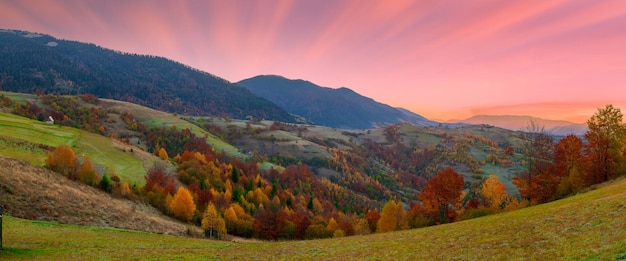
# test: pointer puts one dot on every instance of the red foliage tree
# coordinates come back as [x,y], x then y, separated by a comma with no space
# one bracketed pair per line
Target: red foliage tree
[265,223]
[442,194]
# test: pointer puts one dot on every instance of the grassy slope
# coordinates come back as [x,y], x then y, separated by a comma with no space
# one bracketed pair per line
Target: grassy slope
[589,226]
[36,193]
[100,149]
[154,118]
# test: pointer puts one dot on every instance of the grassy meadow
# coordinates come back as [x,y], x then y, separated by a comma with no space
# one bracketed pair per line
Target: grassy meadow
[586,226]
[19,134]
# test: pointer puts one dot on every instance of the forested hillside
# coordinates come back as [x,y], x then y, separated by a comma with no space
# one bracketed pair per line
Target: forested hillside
[339,108]
[40,63]
[295,181]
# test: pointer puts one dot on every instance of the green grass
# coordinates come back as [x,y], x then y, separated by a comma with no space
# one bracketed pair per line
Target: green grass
[586,226]
[99,148]
[17,97]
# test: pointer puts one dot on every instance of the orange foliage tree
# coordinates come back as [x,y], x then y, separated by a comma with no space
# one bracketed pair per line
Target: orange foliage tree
[86,173]
[182,205]
[63,160]
[570,164]
[442,194]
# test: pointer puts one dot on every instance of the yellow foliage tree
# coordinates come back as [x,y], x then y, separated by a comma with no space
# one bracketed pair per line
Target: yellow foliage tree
[391,218]
[212,223]
[163,154]
[182,205]
[494,192]
[362,227]
[62,160]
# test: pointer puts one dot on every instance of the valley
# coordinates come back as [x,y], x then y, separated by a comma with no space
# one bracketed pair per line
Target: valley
[113,155]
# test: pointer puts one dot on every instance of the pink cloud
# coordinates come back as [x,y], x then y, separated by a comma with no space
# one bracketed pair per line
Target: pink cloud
[440,59]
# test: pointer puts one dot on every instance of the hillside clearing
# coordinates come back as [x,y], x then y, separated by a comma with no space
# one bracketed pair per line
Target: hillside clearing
[101,150]
[586,226]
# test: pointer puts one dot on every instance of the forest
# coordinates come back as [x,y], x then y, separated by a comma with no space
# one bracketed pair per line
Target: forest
[379,184]
[29,65]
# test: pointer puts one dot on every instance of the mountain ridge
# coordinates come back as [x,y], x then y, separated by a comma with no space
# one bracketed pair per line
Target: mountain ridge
[520,123]
[339,108]
[37,62]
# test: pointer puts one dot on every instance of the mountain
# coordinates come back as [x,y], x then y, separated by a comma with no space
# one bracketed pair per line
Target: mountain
[339,108]
[516,123]
[35,62]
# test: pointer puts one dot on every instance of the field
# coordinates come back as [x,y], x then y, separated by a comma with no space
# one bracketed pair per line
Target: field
[585,226]
[102,150]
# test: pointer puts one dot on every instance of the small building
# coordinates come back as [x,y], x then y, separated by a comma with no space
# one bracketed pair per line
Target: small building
[50,120]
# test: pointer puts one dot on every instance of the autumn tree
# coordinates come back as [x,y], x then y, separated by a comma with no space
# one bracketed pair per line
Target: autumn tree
[442,194]
[606,138]
[163,154]
[494,192]
[570,165]
[391,217]
[212,223]
[372,218]
[265,223]
[182,205]
[417,217]
[63,160]
[536,181]
[86,173]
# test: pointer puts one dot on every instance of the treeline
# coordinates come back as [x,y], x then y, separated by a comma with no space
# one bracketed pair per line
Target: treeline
[555,170]
[64,110]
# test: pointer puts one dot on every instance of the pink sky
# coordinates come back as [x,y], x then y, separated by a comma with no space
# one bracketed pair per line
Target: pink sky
[441,59]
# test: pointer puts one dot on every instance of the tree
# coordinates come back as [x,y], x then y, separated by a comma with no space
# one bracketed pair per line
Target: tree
[416,217]
[265,223]
[182,205]
[212,223]
[63,160]
[391,217]
[86,174]
[163,154]
[442,194]
[494,192]
[570,164]
[105,184]
[606,143]
[538,156]
[372,217]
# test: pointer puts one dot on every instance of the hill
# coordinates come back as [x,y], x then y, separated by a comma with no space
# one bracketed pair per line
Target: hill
[516,123]
[40,194]
[35,62]
[585,226]
[29,140]
[338,108]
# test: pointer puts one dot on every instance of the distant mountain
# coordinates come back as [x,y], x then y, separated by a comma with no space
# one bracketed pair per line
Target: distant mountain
[339,108]
[516,123]
[33,62]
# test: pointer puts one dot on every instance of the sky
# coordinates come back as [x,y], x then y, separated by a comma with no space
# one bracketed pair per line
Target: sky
[441,59]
